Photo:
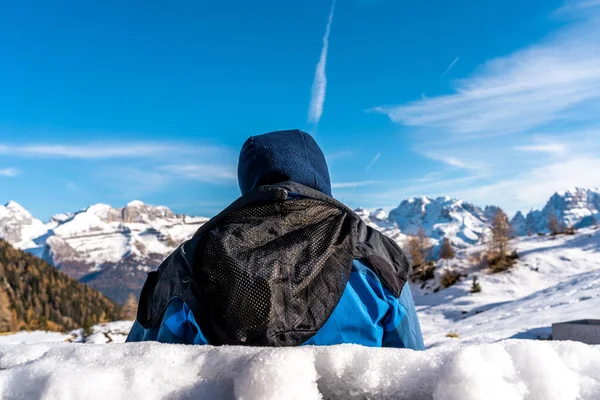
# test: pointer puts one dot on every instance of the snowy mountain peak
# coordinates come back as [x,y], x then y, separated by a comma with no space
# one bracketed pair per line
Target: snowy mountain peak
[380,214]
[575,207]
[17,225]
[110,248]
[135,203]
[461,222]
[16,209]
[59,218]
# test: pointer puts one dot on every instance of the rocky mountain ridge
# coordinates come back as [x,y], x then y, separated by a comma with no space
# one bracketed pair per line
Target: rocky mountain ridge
[111,249]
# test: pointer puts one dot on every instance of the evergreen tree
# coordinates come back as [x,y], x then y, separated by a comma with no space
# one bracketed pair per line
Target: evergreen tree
[41,297]
[5,311]
[129,311]
[475,286]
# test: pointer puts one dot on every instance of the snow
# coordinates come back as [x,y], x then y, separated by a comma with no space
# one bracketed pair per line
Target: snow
[576,207]
[111,332]
[556,279]
[508,370]
[100,235]
[135,203]
[18,227]
[461,222]
[553,280]
[25,337]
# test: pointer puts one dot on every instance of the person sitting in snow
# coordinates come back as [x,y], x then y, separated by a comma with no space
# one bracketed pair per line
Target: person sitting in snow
[284,265]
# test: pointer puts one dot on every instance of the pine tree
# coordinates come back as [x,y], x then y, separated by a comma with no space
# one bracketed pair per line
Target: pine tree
[553,224]
[129,311]
[447,252]
[475,286]
[38,296]
[501,234]
[6,314]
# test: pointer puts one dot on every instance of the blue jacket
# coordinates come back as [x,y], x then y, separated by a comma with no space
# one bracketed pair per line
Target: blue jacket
[367,314]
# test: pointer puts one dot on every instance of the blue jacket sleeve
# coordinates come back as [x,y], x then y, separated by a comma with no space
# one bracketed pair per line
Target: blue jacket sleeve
[402,328]
[177,326]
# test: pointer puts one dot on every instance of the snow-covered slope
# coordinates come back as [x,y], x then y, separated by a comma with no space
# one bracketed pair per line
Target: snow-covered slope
[575,207]
[109,248]
[514,370]
[555,278]
[111,332]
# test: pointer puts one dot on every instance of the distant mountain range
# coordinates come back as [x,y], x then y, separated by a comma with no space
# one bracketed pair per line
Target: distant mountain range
[111,249]
[576,208]
[108,248]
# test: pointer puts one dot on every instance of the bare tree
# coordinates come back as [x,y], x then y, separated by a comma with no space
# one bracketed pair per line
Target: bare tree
[419,250]
[415,253]
[129,311]
[553,224]
[501,234]
[447,252]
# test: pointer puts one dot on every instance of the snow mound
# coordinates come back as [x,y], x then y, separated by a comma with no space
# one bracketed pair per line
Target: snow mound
[25,337]
[507,370]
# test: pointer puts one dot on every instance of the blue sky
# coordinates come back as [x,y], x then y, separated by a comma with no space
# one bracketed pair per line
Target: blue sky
[493,102]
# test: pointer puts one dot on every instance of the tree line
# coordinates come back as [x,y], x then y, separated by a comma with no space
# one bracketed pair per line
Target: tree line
[35,295]
[498,257]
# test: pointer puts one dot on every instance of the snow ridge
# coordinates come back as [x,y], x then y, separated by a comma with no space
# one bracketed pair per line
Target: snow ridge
[509,370]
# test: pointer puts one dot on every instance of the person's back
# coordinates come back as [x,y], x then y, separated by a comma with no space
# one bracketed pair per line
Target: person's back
[284,265]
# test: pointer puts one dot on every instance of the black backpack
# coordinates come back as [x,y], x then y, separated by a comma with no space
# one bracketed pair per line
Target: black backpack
[270,269]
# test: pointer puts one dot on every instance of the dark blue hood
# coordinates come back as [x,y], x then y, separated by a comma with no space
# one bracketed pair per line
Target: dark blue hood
[281,156]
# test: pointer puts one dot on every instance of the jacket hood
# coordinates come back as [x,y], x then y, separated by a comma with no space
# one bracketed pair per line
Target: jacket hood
[281,156]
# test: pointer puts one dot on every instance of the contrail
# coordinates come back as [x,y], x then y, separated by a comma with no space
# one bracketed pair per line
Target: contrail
[319,86]
[373,161]
[449,68]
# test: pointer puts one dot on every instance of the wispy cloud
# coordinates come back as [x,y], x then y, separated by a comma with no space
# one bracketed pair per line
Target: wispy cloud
[73,187]
[449,68]
[575,7]
[452,161]
[373,161]
[533,187]
[549,82]
[9,172]
[101,150]
[203,172]
[344,185]
[132,182]
[550,148]
[520,125]
[339,155]
[319,86]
